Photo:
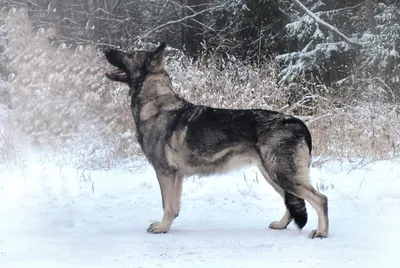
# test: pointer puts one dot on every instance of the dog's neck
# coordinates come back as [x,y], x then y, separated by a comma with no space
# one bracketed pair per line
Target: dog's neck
[155,86]
[135,83]
[152,100]
[152,96]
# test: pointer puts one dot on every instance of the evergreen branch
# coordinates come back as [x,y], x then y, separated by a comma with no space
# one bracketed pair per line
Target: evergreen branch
[327,25]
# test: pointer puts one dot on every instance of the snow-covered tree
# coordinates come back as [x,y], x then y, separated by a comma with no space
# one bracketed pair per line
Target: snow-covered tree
[317,50]
[380,57]
[3,64]
[331,56]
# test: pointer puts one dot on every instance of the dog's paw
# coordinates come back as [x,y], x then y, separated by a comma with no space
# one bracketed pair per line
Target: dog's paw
[318,234]
[158,228]
[276,225]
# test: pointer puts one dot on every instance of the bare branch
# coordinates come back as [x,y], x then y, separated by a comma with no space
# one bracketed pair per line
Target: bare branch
[181,19]
[327,25]
[115,7]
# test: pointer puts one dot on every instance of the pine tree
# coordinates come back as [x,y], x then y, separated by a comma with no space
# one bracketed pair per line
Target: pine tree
[318,52]
[380,58]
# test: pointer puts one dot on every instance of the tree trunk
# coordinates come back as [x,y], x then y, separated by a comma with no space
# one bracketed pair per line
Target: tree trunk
[90,24]
[194,29]
[183,27]
[53,11]
[369,8]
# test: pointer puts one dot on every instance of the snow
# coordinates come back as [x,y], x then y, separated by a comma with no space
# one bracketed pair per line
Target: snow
[60,216]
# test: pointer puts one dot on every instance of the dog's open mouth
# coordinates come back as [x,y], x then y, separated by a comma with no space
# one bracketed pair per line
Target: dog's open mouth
[117,75]
[116,58]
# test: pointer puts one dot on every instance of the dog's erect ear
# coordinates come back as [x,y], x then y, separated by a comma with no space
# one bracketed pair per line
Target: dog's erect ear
[158,53]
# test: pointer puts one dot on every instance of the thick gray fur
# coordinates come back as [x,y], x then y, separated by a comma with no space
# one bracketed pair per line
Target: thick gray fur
[182,139]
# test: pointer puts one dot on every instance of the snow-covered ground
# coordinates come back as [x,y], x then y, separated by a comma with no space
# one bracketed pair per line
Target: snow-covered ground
[58,216]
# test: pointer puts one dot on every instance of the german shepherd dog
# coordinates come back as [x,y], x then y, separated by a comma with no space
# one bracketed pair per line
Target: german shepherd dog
[182,139]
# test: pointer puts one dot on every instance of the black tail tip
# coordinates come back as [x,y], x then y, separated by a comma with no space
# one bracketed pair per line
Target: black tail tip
[297,209]
[301,220]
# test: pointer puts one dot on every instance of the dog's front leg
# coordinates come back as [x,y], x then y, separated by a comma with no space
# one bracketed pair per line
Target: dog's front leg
[168,194]
[178,194]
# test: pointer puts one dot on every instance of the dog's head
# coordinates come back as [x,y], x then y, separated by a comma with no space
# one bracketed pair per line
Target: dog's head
[133,65]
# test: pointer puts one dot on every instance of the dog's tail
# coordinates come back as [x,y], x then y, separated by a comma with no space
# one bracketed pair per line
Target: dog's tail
[297,209]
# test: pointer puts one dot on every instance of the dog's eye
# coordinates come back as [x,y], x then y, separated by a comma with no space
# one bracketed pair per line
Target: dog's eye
[153,63]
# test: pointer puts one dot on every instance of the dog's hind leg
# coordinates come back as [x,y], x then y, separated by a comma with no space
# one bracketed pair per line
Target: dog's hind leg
[169,200]
[297,209]
[283,223]
[286,218]
[306,191]
[320,203]
[295,180]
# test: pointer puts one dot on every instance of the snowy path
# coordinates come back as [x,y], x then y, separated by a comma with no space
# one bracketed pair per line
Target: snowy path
[49,217]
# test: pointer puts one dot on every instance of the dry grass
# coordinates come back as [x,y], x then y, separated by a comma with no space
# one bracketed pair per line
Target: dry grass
[62,102]
[9,153]
[369,130]
[61,99]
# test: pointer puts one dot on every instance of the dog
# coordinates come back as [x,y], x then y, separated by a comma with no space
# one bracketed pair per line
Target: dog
[182,139]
